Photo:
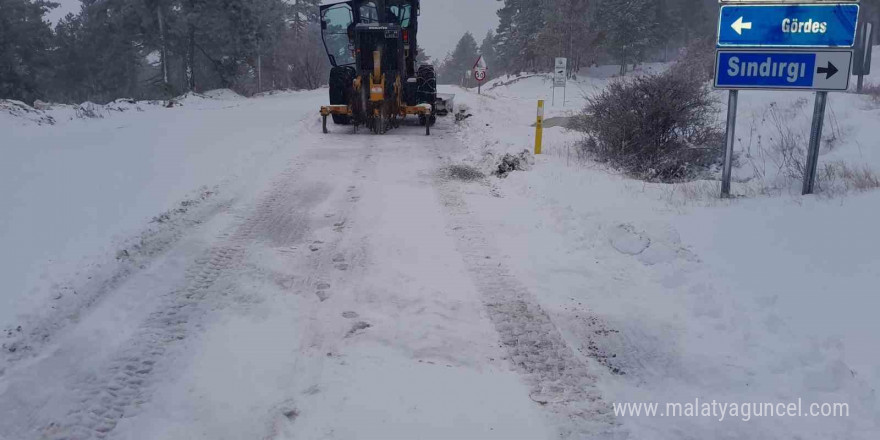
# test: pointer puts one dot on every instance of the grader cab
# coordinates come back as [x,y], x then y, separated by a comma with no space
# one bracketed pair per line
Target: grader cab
[374,82]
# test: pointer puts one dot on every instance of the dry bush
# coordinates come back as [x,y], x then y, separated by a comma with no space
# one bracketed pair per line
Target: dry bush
[872,90]
[655,127]
[692,193]
[788,145]
[697,60]
[784,151]
[89,110]
[840,178]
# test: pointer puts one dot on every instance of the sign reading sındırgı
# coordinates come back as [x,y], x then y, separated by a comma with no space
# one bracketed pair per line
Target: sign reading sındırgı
[804,25]
[767,69]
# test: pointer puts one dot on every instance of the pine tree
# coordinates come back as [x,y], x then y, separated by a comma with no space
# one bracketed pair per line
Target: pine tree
[487,51]
[627,29]
[24,42]
[521,23]
[461,59]
[505,48]
[569,31]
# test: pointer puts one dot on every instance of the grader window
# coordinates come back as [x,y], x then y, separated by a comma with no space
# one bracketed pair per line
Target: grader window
[335,24]
[369,13]
[403,14]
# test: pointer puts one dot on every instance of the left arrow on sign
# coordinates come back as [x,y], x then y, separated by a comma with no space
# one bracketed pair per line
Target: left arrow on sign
[829,71]
[739,25]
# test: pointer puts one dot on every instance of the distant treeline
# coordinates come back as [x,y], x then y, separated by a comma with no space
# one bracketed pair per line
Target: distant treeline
[148,49]
[533,32]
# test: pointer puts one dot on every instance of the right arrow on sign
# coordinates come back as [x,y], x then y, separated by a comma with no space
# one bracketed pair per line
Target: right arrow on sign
[829,71]
[738,25]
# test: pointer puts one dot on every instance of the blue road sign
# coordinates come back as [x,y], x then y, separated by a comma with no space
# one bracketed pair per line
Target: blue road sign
[768,69]
[810,25]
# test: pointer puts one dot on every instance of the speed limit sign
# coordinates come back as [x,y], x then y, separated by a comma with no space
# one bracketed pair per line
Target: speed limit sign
[480,75]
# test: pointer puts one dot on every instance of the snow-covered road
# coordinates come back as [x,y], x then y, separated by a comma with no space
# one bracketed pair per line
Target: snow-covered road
[343,296]
[224,270]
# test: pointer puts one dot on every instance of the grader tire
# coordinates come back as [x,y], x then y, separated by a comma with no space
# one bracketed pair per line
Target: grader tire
[426,85]
[341,78]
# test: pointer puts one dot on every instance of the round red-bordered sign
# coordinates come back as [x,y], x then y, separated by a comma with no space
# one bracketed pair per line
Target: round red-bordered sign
[480,75]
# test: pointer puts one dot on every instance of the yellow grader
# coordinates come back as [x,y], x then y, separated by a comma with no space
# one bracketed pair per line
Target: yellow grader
[374,82]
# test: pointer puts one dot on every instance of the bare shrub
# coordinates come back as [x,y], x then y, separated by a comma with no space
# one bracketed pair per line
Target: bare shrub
[789,140]
[655,127]
[872,90]
[784,145]
[788,145]
[89,110]
[696,192]
[840,178]
[697,60]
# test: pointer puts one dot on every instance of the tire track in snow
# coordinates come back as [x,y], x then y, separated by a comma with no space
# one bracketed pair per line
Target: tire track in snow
[328,269]
[78,296]
[558,379]
[119,390]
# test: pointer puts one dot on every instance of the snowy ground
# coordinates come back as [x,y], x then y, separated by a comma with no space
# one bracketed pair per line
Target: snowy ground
[223,270]
[764,299]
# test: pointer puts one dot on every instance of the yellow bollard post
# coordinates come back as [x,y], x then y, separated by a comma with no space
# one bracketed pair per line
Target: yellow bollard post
[539,128]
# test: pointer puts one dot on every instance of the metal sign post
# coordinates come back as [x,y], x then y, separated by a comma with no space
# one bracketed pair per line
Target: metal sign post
[862,57]
[815,140]
[814,40]
[560,79]
[728,146]
[480,69]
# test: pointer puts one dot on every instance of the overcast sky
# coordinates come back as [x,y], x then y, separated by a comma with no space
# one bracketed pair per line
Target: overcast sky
[442,22]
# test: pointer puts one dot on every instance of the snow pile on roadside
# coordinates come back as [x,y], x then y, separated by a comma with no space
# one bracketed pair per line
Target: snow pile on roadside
[46,113]
[514,162]
[224,95]
[673,294]
[18,113]
[78,192]
[208,98]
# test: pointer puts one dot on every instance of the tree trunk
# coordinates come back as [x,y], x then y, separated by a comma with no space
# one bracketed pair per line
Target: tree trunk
[164,51]
[191,59]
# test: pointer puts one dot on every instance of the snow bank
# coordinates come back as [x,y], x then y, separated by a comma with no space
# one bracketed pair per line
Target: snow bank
[16,113]
[207,98]
[76,191]
[673,294]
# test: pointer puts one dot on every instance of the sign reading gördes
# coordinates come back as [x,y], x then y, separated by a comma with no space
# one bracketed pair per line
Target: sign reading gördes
[807,25]
[786,70]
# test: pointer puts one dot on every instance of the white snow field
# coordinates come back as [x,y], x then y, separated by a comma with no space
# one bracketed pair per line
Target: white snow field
[222,270]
